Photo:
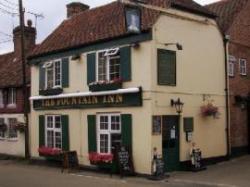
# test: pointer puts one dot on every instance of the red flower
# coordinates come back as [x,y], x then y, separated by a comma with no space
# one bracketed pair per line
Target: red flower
[100,158]
[209,110]
[48,151]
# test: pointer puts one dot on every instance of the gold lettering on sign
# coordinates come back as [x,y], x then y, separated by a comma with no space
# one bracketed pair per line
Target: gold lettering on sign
[74,101]
[94,100]
[119,98]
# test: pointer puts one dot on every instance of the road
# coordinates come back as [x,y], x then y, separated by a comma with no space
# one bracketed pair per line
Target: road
[20,174]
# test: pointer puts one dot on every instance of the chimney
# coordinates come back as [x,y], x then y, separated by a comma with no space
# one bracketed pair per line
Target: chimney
[76,8]
[29,37]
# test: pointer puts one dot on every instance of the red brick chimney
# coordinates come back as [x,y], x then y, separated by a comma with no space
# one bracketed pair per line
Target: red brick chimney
[75,8]
[29,37]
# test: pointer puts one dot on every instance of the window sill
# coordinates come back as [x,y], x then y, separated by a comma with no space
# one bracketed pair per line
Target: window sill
[48,92]
[11,106]
[12,139]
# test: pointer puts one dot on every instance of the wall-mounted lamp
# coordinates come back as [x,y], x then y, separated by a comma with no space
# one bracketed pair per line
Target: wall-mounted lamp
[177,104]
[135,45]
[76,57]
[179,46]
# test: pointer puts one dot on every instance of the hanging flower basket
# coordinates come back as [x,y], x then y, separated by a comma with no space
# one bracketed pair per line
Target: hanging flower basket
[96,158]
[47,151]
[209,110]
[3,127]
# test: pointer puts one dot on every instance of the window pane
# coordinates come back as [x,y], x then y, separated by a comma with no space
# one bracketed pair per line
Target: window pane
[58,140]
[114,67]
[50,76]
[115,122]
[104,122]
[49,121]
[50,138]
[58,73]
[1,98]
[102,72]
[104,143]
[58,122]
[12,96]
[2,132]
[12,129]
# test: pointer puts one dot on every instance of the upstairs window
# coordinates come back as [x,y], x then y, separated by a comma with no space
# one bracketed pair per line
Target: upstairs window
[243,66]
[11,97]
[166,67]
[1,99]
[231,64]
[133,20]
[53,74]
[108,65]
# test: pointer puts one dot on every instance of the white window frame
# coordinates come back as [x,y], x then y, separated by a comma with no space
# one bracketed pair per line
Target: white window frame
[16,133]
[231,64]
[48,65]
[108,132]
[1,99]
[244,67]
[12,102]
[108,53]
[2,134]
[54,129]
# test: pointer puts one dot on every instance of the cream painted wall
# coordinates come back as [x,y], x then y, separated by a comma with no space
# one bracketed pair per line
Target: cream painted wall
[200,70]
[15,146]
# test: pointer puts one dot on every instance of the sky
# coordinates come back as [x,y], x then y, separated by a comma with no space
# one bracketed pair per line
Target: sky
[54,12]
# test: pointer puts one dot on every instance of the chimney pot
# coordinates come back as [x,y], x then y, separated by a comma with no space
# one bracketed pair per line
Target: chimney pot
[29,23]
[76,8]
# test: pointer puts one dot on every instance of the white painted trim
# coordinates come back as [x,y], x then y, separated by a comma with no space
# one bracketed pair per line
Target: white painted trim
[82,94]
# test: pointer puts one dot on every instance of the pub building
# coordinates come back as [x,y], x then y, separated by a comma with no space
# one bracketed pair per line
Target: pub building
[140,75]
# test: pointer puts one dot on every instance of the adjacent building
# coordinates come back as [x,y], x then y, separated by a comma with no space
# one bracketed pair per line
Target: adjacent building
[234,21]
[12,141]
[120,74]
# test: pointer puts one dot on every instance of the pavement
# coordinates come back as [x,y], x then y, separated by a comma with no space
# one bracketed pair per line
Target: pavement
[234,173]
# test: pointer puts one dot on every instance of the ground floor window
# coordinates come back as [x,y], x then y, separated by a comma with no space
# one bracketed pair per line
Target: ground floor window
[109,132]
[53,131]
[2,132]
[12,127]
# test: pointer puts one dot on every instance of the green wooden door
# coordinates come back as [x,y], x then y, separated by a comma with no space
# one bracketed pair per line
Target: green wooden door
[170,142]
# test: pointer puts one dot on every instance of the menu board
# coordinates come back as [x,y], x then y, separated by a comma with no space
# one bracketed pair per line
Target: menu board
[70,160]
[125,161]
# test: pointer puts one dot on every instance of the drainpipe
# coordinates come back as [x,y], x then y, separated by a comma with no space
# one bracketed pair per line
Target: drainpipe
[226,43]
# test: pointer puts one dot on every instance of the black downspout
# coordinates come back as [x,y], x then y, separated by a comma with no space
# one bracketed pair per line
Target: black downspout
[226,41]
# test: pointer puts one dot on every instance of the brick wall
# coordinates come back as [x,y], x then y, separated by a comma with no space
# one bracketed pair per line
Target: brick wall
[19,104]
[240,85]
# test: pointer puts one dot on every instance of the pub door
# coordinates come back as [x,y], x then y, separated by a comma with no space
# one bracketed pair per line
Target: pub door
[170,143]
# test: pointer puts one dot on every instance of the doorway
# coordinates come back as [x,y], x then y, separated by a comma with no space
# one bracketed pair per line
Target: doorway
[171,143]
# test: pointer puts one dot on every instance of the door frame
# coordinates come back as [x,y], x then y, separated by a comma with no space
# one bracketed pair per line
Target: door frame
[178,117]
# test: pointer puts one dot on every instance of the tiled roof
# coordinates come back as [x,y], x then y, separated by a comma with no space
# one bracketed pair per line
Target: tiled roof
[227,11]
[11,70]
[103,23]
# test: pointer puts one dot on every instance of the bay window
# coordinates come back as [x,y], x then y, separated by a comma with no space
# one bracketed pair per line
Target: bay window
[108,65]
[53,74]
[53,131]
[109,132]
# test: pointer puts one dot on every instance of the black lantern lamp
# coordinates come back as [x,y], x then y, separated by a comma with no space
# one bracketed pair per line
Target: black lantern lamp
[178,105]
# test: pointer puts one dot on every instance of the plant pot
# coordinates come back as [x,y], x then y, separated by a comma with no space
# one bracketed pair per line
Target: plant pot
[48,92]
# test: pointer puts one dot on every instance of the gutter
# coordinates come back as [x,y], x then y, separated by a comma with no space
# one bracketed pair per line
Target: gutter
[226,43]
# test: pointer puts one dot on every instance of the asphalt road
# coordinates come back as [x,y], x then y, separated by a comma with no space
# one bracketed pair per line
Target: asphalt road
[20,174]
